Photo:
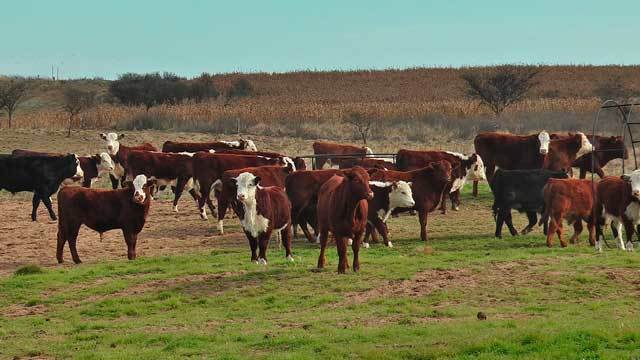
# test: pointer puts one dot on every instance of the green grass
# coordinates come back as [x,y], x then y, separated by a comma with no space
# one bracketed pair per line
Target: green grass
[540,302]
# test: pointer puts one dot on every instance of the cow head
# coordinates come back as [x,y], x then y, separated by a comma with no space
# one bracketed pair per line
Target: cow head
[634,180]
[299,163]
[358,179]
[614,143]
[477,171]
[401,195]
[246,185]
[442,170]
[585,144]
[113,142]
[71,170]
[248,145]
[544,140]
[105,163]
[142,188]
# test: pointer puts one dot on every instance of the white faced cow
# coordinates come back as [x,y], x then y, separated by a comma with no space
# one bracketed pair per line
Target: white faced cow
[618,202]
[387,196]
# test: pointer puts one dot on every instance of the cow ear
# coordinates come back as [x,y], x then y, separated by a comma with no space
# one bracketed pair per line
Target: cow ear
[103,136]
[625,177]
[152,182]
[256,180]
[120,136]
[410,183]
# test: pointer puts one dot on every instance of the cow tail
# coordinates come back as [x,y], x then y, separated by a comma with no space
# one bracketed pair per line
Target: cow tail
[196,186]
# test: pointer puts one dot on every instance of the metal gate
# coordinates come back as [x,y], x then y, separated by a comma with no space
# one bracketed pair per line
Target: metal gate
[348,156]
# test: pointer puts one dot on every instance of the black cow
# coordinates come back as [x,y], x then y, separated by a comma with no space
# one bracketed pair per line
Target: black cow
[520,190]
[40,174]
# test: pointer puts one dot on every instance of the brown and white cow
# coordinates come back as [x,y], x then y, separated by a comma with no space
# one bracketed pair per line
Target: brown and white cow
[619,203]
[91,167]
[241,144]
[427,185]
[103,210]
[119,153]
[270,175]
[464,168]
[296,162]
[607,148]
[208,169]
[302,188]
[564,150]
[570,199]
[169,169]
[263,211]
[387,196]
[330,148]
[342,210]
[510,152]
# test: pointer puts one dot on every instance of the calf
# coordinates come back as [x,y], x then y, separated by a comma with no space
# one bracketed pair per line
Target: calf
[569,199]
[510,152]
[427,186]
[264,209]
[42,175]
[564,150]
[271,175]
[241,144]
[103,210]
[520,190]
[618,203]
[387,196]
[606,148]
[92,167]
[325,149]
[167,168]
[464,168]
[208,169]
[302,188]
[118,153]
[342,209]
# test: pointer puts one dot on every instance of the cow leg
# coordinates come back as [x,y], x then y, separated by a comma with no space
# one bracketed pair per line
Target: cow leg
[223,204]
[253,244]
[47,202]
[263,244]
[443,203]
[591,227]
[72,237]
[628,230]
[509,220]
[205,193]
[559,232]
[355,247]
[179,188]
[423,218]
[455,200]
[533,219]
[619,240]
[35,202]
[370,232]
[551,231]
[305,230]
[341,244]
[599,171]
[475,188]
[324,239]
[286,235]
[383,230]
[130,239]
[63,232]
[499,223]
[577,230]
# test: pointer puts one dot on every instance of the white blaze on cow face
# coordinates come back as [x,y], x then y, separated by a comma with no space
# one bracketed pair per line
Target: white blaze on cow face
[113,143]
[139,183]
[544,140]
[585,145]
[79,173]
[477,171]
[634,180]
[235,144]
[106,164]
[247,185]
[251,146]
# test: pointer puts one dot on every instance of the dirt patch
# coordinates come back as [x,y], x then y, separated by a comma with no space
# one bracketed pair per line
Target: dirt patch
[18,310]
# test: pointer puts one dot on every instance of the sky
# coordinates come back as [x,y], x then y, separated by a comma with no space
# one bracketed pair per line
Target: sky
[89,38]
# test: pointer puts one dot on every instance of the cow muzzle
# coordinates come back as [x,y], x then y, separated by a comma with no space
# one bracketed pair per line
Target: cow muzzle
[138,197]
[241,197]
[636,194]
[544,151]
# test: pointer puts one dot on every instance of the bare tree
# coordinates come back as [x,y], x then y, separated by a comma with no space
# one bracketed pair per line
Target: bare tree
[75,101]
[12,92]
[361,125]
[502,87]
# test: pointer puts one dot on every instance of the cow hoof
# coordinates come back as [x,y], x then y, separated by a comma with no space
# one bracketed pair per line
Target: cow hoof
[175,208]
[456,208]
[290,258]
[629,246]
[262,261]
[350,242]
[365,245]
[389,245]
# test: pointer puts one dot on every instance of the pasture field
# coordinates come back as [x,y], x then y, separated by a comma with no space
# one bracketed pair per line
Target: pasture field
[192,293]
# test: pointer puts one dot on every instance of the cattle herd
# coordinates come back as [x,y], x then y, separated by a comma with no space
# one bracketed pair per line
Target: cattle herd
[274,194]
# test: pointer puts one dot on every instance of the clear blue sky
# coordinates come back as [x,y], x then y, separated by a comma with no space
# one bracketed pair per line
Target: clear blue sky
[109,37]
